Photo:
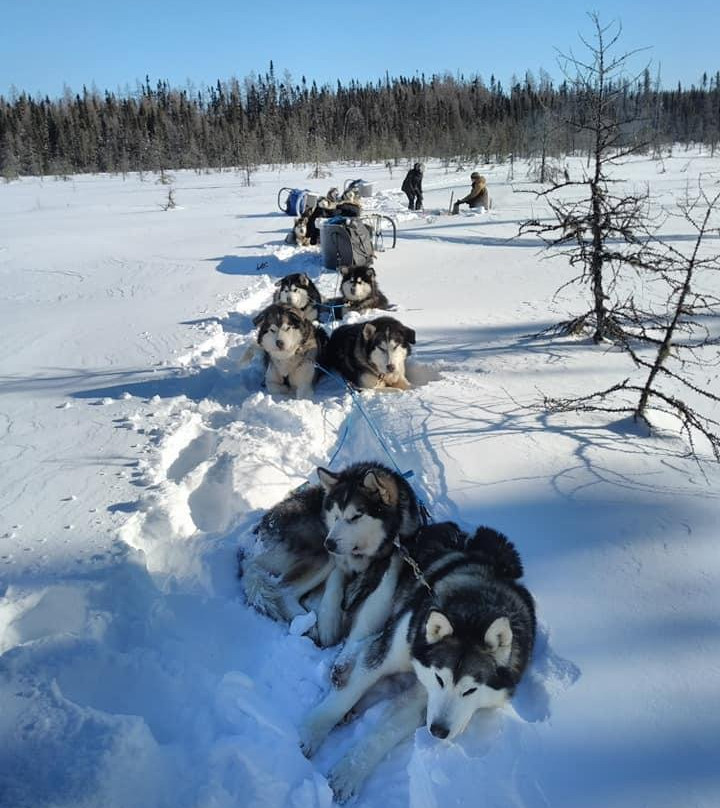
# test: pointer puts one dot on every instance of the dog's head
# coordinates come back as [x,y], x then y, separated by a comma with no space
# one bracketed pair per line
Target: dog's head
[358,283]
[364,508]
[461,657]
[296,290]
[281,330]
[388,344]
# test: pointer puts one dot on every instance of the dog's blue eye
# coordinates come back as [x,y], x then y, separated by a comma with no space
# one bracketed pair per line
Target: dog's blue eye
[468,692]
[439,680]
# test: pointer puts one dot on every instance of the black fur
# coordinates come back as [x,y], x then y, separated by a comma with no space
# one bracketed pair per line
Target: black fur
[350,346]
[472,604]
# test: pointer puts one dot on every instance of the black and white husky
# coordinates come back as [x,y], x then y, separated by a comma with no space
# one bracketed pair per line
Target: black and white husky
[371,355]
[360,290]
[461,622]
[293,346]
[299,291]
[339,535]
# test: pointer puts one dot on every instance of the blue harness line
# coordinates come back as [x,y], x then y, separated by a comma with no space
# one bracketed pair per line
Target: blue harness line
[424,511]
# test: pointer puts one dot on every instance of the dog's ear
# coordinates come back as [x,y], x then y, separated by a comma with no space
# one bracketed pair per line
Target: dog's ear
[344,271]
[498,639]
[258,318]
[303,279]
[437,627]
[383,485]
[328,480]
[368,331]
[279,282]
[409,335]
[369,272]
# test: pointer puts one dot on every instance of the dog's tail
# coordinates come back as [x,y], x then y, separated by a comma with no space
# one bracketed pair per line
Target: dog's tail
[499,551]
[264,595]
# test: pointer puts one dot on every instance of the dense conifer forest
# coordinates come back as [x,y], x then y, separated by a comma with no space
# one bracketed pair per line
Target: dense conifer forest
[266,120]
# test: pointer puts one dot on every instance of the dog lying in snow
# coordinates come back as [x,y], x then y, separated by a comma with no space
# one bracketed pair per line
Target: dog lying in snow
[371,355]
[461,622]
[299,291]
[338,538]
[292,346]
[360,292]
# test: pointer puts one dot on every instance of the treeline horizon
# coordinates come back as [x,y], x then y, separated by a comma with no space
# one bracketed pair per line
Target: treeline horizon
[263,120]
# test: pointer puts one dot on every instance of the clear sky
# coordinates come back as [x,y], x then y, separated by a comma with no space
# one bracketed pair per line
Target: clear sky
[47,44]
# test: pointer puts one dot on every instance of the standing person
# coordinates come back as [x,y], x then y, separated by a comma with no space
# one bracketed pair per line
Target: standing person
[412,185]
[478,196]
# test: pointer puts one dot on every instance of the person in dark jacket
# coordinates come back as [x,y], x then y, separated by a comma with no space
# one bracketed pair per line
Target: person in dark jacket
[478,196]
[412,185]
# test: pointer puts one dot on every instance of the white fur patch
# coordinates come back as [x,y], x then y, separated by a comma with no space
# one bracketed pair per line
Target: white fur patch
[437,627]
[355,290]
[389,358]
[498,639]
[354,532]
[452,704]
[295,296]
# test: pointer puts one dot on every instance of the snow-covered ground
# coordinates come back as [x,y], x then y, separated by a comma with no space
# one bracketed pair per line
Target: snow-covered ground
[137,450]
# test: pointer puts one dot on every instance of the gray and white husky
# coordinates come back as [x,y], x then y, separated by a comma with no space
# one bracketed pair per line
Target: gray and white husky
[293,346]
[339,535]
[461,622]
[372,355]
[299,291]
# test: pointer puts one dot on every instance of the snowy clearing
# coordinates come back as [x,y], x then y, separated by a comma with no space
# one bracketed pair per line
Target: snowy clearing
[138,450]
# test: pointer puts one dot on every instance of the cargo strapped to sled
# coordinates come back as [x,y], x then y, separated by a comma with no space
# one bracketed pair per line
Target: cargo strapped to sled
[295,201]
[353,241]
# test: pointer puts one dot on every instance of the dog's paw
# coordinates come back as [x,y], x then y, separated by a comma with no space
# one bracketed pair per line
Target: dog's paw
[309,741]
[340,672]
[313,732]
[343,781]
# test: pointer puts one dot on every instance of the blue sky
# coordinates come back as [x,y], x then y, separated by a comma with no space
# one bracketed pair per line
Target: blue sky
[47,44]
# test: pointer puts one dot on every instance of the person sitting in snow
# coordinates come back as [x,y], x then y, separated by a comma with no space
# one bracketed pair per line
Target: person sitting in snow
[478,196]
[412,186]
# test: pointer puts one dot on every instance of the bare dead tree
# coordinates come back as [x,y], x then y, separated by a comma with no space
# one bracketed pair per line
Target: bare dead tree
[170,203]
[597,230]
[674,345]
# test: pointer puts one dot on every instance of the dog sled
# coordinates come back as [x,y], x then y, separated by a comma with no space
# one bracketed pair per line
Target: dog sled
[354,240]
[296,201]
[361,187]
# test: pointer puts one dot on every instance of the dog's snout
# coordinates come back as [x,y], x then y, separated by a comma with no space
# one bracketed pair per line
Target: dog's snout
[439,730]
[280,344]
[391,368]
[330,545]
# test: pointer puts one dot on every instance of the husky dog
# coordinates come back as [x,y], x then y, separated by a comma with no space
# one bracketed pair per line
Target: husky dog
[300,232]
[463,625]
[372,355]
[292,346]
[299,291]
[360,291]
[341,534]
